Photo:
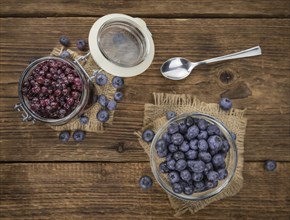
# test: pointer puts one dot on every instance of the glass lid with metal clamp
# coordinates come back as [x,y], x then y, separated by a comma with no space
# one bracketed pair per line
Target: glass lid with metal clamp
[121,45]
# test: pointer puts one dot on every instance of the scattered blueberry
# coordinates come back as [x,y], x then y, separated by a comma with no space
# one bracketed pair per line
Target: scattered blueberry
[177,188]
[173,177]
[270,165]
[103,115]
[145,182]
[170,115]
[65,54]
[64,41]
[112,105]
[79,135]
[234,136]
[84,120]
[101,79]
[180,165]
[118,96]
[117,82]
[64,136]
[102,100]
[81,45]
[226,104]
[148,135]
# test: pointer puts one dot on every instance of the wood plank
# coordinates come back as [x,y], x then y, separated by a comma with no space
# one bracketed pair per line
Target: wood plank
[146,8]
[268,113]
[266,137]
[110,190]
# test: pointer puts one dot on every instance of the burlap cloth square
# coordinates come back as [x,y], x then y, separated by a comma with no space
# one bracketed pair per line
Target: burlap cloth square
[108,90]
[234,120]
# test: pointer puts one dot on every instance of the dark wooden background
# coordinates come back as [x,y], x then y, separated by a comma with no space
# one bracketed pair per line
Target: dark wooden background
[41,178]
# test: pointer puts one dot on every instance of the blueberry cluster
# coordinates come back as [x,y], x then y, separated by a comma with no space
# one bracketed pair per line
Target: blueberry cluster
[80,44]
[118,83]
[194,152]
[53,89]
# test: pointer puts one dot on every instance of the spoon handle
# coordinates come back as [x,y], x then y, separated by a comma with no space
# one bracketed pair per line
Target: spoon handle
[254,51]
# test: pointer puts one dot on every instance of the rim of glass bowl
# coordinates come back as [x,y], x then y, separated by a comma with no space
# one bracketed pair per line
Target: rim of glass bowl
[204,195]
[75,112]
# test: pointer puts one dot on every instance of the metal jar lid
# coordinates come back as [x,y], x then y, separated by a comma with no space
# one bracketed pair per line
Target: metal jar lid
[121,45]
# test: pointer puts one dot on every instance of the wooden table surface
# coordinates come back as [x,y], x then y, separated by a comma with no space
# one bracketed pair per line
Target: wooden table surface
[42,178]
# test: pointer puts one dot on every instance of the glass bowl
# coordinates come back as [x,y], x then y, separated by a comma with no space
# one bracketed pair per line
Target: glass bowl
[231,159]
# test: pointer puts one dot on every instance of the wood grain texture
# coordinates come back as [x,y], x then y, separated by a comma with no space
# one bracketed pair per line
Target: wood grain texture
[110,190]
[268,112]
[146,8]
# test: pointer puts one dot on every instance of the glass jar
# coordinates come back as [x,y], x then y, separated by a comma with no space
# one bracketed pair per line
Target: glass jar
[86,99]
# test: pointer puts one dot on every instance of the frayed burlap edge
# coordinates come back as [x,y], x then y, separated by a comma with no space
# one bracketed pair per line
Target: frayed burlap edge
[234,120]
[93,125]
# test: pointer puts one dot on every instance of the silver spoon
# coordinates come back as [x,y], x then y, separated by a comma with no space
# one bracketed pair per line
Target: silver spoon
[178,68]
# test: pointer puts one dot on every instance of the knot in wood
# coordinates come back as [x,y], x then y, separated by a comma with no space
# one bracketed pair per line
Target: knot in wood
[120,147]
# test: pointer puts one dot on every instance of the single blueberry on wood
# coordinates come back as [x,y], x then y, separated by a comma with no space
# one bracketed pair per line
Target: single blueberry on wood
[145,182]
[64,136]
[270,165]
[226,104]
[79,135]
